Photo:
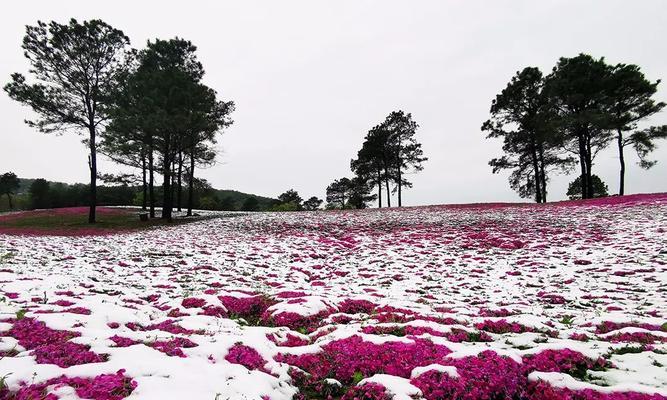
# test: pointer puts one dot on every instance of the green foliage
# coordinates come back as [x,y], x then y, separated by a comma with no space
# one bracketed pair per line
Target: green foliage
[9,184]
[250,204]
[643,142]
[523,117]
[628,349]
[357,377]
[75,67]
[389,151]
[338,193]
[20,314]
[570,116]
[312,204]
[39,194]
[76,195]
[289,206]
[349,193]
[227,204]
[600,189]
[209,203]
[291,196]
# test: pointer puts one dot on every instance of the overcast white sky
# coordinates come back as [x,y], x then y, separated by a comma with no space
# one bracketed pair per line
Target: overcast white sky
[309,78]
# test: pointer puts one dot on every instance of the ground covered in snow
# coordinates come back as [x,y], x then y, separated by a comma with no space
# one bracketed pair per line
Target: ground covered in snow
[562,301]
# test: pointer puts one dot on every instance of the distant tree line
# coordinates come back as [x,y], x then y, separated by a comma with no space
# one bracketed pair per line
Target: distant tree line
[24,194]
[563,120]
[147,109]
[290,200]
[389,152]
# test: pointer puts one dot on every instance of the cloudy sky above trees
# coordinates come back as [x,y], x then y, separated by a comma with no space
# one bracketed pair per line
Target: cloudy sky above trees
[310,78]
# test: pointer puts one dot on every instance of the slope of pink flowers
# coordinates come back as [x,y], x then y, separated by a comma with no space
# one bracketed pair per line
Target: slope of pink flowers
[562,301]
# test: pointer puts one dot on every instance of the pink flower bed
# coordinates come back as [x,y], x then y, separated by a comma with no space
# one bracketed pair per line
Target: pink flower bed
[246,356]
[343,358]
[102,387]
[338,297]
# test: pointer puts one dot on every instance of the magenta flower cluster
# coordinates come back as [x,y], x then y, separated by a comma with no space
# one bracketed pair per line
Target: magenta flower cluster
[171,347]
[249,308]
[485,376]
[102,387]
[193,302]
[246,356]
[351,306]
[341,359]
[502,326]
[50,346]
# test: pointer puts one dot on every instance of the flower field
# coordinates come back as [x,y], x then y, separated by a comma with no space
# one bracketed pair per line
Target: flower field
[490,301]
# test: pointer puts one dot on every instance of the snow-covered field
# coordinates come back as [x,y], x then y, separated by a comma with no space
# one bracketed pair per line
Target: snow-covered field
[564,301]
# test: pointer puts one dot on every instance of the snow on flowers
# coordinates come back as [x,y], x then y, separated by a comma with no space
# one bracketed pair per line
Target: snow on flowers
[559,301]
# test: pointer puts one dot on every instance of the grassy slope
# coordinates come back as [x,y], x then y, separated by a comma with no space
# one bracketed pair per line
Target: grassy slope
[74,221]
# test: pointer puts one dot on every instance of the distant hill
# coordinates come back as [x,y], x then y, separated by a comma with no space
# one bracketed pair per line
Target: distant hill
[236,199]
[68,195]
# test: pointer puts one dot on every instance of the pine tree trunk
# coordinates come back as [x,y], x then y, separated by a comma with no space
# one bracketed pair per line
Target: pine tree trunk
[191,183]
[621,159]
[536,171]
[582,163]
[9,200]
[386,181]
[166,183]
[144,186]
[93,176]
[151,180]
[589,168]
[543,174]
[379,182]
[399,185]
[180,171]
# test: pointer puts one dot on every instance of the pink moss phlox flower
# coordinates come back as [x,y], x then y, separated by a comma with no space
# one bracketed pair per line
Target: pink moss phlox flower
[296,321]
[214,311]
[367,391]
[176,313]
[50,346]
[637,337]
[289,341]
[565,360]
[246,356]
[66,354]
[341,359]
[249,308]
[32,333]
[500,313]
[168,325]
[63,303]
[485,376]
[502,326]
[608,326]
[350,306]
[173,347]
[290,294]
[193,302]
[541,390]
[582,337]
[123,341]
[78,310]
[102,387]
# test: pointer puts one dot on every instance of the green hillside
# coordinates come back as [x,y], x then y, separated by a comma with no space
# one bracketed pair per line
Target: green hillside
[69,195]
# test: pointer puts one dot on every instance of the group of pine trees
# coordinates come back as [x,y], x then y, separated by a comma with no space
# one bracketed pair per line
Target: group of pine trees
[146,109]
[390,151]
[563,120]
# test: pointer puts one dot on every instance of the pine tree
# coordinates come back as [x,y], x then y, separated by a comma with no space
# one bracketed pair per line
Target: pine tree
[522,116]
[75,66]
[629,100]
